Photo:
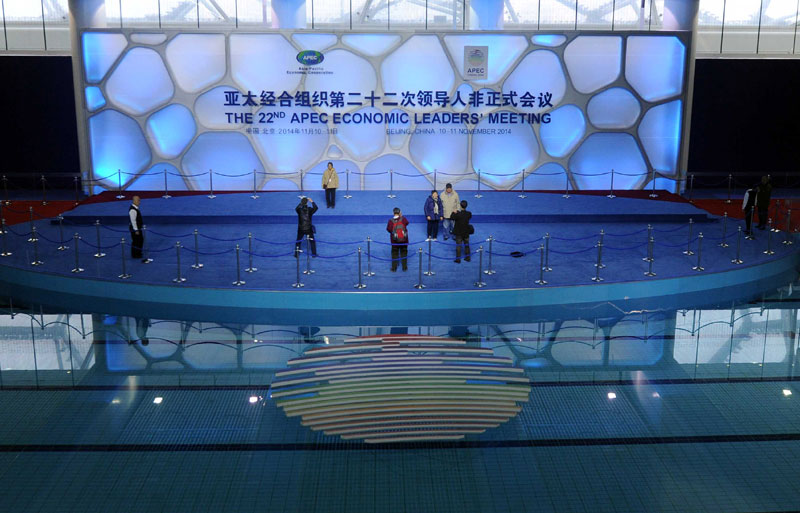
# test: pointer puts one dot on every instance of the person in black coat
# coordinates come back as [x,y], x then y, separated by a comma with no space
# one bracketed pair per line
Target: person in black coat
[763,197]
[748,204]
[135,224]
[461,231]
[304,226]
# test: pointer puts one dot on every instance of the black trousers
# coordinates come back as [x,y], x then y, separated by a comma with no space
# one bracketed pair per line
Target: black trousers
[763,217]
[462,240]
[400,251]
[301,234]
[433,229]
[330,196]
[137,243]
[748,219]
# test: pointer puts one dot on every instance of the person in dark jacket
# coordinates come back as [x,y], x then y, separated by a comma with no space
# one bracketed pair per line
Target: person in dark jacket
[434,211]
[461,230]
[398,235]
[304,226]
[135,224]
[763,197]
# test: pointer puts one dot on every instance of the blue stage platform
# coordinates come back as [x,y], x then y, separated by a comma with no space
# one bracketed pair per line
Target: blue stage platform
[328,295]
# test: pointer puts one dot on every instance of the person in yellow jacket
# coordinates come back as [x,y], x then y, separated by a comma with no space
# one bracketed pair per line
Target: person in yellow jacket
[330,182]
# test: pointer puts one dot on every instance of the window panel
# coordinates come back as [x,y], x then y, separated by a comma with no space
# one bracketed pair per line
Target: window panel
[220,13]
[370,15]
[709,26]
[521,14]
[740,29]
[24,27]
[253,12]
[777,27]
[631,15]
[179,13]
[330,13]
[449,14]
[559,14]
[56,25]
[595,14]
[139,13]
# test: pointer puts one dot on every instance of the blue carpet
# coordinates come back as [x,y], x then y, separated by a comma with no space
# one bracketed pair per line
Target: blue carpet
[376,207]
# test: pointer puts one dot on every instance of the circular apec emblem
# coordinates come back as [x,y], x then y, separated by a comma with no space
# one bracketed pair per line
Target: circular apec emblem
[476,57]
[310,57]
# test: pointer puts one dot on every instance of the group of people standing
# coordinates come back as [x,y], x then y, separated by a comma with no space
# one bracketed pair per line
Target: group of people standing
[757,198]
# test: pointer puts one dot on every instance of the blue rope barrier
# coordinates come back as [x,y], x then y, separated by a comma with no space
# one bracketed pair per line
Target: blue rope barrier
[269,242]
[51,240]
[233,176]
[169,235]
[676,245]
[519,243]
[337,256]
[627,248]
[670,230]
[626,234]
[266,256]
[220,240]
[574,239]
[205,253]
[27,234]
[339,243]
[113,229]
[98,247]
[590,248]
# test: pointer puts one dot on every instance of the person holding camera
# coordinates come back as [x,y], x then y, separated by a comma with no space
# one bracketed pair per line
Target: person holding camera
[462,230]
[305,226]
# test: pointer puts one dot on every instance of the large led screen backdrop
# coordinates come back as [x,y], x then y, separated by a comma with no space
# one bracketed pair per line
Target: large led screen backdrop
[278,105]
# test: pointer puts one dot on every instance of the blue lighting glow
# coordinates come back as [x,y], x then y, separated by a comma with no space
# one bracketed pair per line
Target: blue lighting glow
[654,66]
[363,140]
[170,130]
[443,151]
[140,82]
[660,133]
[100,50]
[287,152]
[592,163]
[593,61]
[94,98]
[117,143]
[551,40]
[511,153]
[540,71]
[153,179]
[226,153]
[419,65]
[567,126]
[405,176]
[196,60]
[613,108]
[548,177]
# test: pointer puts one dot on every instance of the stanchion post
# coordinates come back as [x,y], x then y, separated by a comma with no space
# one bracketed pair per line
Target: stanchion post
[738,260]
[489,269]
[5,252]
[478,194]
[691,188]
[250,267]
[5,190]
[36,260]
[347,194]
[749,235]
[566,185]
[61,240]
[480,283]
[124,275]
[611,190]
[297,284]
[602,237]
[391,185]
[99,253]
[650,239]
[419,284]
[3,223]
[522,190]
[541,280]
[724,243]
[769,250]
[196,264]
[360,284]
[599,263]
[44,190]
[255,189]
[166,189]
[547,267]
[211,194]
[699,267]
[178,278]
[77,190]
[689,251]
[787,240]
[146,259]
[308,270]
[730,184]
[653,191]
[239,281]
[32,237]
[430,271]
[77,268]
[369,258]
[119,185]
[651,258]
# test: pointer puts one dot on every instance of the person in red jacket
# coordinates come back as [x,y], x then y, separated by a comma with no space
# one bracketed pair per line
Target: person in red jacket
[398,233]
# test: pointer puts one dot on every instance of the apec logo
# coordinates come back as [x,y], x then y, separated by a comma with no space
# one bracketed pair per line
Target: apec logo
[310,57]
